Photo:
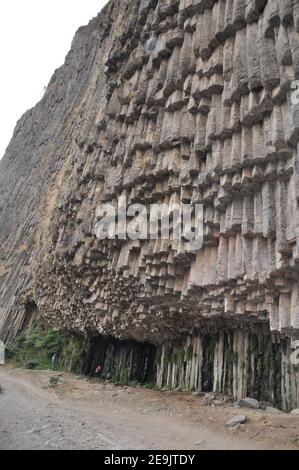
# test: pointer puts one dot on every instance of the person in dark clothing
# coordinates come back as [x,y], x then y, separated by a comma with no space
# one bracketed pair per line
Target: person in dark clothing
[54,361]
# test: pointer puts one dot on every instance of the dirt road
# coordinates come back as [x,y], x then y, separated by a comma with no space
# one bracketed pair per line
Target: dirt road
[82,414]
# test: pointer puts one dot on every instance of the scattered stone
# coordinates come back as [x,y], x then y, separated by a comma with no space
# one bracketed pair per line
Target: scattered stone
[34,431]
[272,410]
[199,443]
[55,380]
[218,403]
[208,399]
[214,399]
[46,426]
[236,420]
[295,412]
[248,403]
[227,399]
[236,428]
[263,405]
[199,394]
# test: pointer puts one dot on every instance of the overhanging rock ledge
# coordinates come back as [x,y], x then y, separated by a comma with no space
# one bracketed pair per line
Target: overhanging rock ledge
[185,101]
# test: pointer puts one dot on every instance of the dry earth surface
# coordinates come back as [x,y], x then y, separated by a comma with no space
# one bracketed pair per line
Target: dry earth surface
[80,413]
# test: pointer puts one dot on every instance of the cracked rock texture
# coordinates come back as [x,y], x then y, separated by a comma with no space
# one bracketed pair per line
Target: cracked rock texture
[175,101]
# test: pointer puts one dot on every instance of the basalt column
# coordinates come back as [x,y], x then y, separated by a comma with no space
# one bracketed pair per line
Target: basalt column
[167,102]
[234,362]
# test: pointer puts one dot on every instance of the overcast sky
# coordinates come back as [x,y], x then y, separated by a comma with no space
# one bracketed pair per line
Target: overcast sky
[35,36]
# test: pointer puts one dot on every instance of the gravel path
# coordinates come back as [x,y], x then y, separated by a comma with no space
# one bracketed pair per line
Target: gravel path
[88,415]
[31,419]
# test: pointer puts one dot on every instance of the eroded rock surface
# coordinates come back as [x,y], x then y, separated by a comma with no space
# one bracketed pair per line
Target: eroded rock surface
[169,101]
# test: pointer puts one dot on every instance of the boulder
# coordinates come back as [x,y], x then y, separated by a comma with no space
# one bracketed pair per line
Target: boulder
[241,419]
[272,410]
[248,403]
[263,405]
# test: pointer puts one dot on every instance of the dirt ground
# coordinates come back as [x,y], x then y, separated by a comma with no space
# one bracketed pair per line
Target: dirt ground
[80,413]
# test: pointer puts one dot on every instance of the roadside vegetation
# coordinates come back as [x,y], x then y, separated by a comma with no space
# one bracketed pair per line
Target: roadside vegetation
[35,347]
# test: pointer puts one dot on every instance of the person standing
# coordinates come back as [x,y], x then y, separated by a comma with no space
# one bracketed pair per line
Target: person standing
[54,361]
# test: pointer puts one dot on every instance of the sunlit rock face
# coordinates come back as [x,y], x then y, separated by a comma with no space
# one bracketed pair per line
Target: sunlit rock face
[190,101]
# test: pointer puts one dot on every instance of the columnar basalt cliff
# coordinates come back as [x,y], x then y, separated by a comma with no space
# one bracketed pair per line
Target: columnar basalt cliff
[174,101]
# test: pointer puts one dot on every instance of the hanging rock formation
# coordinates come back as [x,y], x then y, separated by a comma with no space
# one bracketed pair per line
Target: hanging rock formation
[175,101]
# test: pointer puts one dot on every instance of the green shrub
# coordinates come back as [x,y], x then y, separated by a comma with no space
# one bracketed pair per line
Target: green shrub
[150,386]
[32,365]
[38,343]
[10,352]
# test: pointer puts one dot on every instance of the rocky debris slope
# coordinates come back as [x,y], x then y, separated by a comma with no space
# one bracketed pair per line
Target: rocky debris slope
[165,101]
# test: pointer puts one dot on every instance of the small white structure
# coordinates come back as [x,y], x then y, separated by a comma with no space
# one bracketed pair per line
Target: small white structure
[2,353]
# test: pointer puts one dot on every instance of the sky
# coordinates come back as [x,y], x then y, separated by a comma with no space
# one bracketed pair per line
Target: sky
[35,37]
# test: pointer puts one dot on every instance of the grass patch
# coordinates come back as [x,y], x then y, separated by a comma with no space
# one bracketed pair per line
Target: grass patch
[150,386]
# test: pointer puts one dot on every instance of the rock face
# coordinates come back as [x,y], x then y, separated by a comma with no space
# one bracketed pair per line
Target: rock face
[166,101]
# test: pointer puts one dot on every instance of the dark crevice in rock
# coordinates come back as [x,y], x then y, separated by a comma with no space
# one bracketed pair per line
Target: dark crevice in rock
[121,361]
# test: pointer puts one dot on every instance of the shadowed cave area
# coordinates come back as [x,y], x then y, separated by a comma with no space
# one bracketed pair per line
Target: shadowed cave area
[121,361]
